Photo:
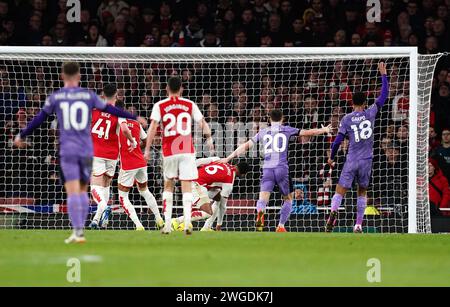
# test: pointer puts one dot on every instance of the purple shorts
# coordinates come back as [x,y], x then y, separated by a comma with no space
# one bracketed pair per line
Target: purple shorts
[276,176]
[359,170]
[75,168]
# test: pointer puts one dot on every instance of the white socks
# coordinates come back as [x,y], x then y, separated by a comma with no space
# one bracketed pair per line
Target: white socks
[128,207]
[167,208]
[99,195]
[151,203]
[195,216]
[212,218]
[187,209]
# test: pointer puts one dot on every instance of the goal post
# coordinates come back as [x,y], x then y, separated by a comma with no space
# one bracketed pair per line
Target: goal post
[234,87]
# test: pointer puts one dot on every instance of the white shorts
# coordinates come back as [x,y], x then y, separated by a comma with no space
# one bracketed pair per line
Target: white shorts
[202,195]
[128,178]
[101,166]
[182,167]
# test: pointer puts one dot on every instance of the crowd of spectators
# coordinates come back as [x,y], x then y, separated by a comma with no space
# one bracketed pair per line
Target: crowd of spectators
[310,94]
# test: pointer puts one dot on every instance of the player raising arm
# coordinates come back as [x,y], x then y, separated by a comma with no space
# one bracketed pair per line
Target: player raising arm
[176,115]
[358,126]
[275,140]
[215,182]
[73,105]
[105,137]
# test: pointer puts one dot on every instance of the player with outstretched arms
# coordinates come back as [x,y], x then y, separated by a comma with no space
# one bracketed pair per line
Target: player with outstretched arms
[358,126]
[133,169]
[215,182]
[73,106]
[176,115]
[105,137]
[275,141]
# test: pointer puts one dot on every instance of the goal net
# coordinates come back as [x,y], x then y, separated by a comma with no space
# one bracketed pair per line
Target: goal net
[235,89]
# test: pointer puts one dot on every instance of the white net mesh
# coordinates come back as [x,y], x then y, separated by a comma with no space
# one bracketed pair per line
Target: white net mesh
[235,92]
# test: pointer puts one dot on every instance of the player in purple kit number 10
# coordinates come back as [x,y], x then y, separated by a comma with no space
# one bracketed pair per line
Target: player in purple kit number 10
[73,107]
[358,127]
[275,142]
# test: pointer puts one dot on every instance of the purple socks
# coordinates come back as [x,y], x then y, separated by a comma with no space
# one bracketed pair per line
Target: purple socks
[361,207]
[78,208]
[261,205]
[336,202]
[285,211]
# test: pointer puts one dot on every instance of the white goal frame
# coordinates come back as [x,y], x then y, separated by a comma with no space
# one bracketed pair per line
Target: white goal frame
[196,53]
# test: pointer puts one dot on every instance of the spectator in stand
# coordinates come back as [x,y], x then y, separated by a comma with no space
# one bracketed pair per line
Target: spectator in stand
[194,31]
[210,40]
[433,141]
[298,34]
[441,107]
[34,33]
[340,38]
[400,104]
[443,152]
[240,39]
[439,190]
[60,35]
[47,40]
[248,25]
[147,21]
[390,178]
[286,15]
[113,7]
[431,45]
[78,31]
[274,30]
[94,38]
[441,34]
[177,34]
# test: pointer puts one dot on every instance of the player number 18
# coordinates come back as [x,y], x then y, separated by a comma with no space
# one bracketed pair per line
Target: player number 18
[363,131]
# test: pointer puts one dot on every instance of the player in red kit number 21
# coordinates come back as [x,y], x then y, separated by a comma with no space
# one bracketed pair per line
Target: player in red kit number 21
[176,115]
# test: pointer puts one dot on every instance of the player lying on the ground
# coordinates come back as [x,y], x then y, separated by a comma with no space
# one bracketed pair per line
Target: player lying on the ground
[358,126]
[215,182]
[105,137]
[73,105]
[133,168]
[176,116]
[275,141]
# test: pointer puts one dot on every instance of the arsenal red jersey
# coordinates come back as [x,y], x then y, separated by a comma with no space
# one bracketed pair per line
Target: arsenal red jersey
[216,174]
[104,135]
[176,116]
[134,159]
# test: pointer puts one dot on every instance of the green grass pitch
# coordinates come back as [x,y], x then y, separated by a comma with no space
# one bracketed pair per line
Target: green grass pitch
[129,258]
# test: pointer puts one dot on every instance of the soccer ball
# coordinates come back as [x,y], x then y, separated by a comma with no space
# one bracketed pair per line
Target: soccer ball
[181,227]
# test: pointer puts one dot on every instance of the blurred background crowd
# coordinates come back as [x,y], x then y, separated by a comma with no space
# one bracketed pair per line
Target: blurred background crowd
[310,95]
